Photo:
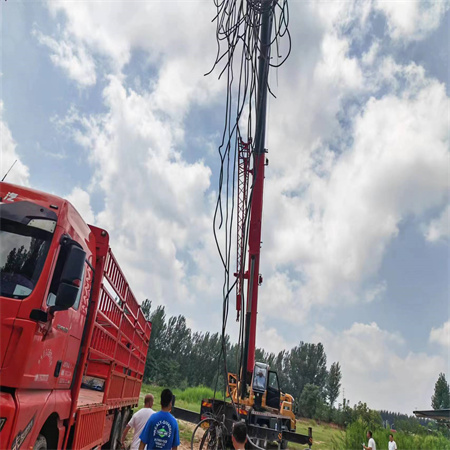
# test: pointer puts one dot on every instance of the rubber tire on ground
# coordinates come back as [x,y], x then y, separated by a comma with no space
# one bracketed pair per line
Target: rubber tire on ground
[116,432]
[213,444]
[126,416]
[41,443]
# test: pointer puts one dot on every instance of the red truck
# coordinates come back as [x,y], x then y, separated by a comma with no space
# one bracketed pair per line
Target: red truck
[73,339]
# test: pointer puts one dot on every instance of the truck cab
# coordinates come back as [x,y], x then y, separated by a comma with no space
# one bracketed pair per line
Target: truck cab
[55,313]
[46,261]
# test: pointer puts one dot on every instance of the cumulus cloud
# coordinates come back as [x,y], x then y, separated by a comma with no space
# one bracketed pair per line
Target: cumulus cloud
[333,218]
[82,202]
[155,203]
[19,173]
[441,335]
[269,338]
[71,57]
[411,20]
[439,228]
[357,145]
[159,30]
[374,364]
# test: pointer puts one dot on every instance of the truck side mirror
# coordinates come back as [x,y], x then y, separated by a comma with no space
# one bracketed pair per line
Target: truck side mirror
[70,281]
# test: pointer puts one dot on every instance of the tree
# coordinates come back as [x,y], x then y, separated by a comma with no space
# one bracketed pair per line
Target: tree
[441,396]
[333,383]
[156,348]
[305,364]
[370,417]
[146,308]
[310,400]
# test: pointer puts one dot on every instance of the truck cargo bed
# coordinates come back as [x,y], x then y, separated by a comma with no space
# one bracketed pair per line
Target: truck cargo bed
[89,397]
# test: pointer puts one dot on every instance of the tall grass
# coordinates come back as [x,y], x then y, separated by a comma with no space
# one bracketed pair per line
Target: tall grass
[355,435]
[195,394]
[190,398]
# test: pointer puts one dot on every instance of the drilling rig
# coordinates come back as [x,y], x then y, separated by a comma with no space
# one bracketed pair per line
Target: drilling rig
[253,394]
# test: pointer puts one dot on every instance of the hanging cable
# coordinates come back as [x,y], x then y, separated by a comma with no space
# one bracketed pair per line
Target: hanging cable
[238,25]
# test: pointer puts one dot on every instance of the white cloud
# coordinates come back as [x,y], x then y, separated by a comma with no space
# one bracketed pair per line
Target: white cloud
[20,173]
[412,20]
[82,202]
[439,228]
[269,339]
[373,370]
[155,202]
[157,206]
[71,56]
[441,335]
[159,29]
[346,168]
[331,216]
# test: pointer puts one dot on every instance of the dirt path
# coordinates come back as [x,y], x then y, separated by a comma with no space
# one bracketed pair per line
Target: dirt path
[186,430]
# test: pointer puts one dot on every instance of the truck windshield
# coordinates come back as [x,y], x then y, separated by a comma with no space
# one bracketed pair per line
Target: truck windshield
[23,250]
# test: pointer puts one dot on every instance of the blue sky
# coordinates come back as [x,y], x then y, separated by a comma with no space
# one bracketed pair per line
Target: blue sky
[106,104]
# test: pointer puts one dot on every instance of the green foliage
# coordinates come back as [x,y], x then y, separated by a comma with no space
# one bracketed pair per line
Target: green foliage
[146,307]
[323,412]
[441,396]
[356,434]
[310,400]
[333,384]
[196,394]
[178,357]
[410,425]
[404,422]
[323,434]
[369,417]
[305,364]
[189,398]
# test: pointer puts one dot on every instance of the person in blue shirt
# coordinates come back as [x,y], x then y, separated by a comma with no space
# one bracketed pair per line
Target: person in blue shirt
[161,430]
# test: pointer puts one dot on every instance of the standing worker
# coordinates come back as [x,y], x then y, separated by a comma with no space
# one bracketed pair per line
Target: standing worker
[392,445]
[371,444]
[138,422]
[161,430]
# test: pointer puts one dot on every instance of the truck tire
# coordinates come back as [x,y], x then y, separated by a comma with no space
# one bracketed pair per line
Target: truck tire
[126,416]
[116,431]
[41,443]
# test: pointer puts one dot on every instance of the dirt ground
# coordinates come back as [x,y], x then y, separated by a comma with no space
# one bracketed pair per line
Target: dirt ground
[186,430]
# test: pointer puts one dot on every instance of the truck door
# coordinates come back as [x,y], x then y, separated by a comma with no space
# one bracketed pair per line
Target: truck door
[69,323]
[54,350]
[273,391]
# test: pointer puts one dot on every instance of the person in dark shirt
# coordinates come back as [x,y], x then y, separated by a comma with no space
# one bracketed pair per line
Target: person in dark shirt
[161,430]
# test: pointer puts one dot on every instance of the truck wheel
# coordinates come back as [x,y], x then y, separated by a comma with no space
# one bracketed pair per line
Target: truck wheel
[41,443]
[114,442]
[127,414]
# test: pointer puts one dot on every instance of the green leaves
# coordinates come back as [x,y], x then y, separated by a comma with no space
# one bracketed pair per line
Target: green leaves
[333,385]
[441,396]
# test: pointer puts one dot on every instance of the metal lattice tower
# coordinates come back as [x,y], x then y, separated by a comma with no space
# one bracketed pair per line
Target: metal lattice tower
[242,210]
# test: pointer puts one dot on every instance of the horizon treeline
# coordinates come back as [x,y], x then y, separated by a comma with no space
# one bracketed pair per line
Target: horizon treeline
[181,358]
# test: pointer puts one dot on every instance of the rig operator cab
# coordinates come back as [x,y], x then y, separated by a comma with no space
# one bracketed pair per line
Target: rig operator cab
[265,395]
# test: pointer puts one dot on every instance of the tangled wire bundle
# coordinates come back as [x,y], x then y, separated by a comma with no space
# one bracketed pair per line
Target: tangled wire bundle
[238,26]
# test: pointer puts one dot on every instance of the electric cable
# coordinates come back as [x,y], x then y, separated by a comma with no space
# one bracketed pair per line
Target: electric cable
[238,24]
